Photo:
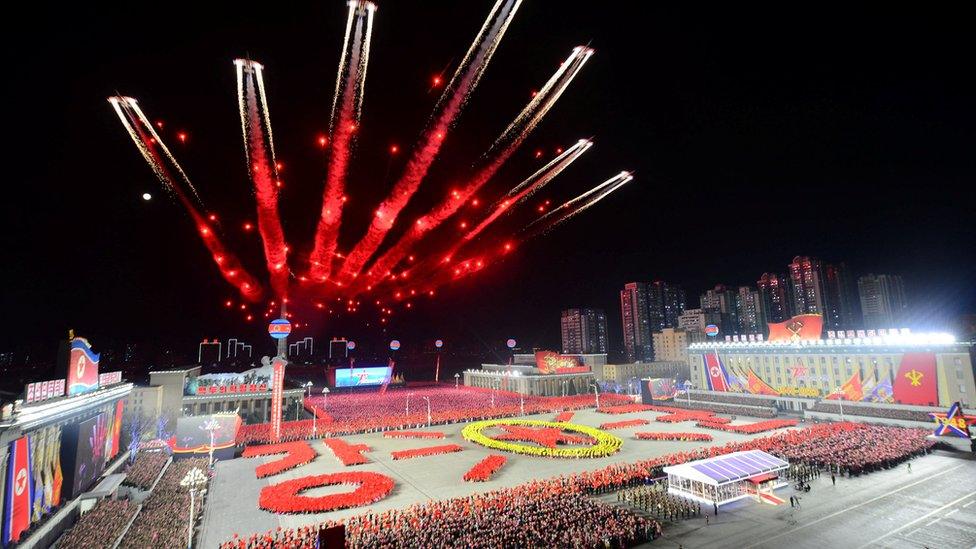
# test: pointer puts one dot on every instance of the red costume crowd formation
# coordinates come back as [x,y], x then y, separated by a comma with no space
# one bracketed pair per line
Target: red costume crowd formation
[428,451]
[484,469]
[297,453]
[623,424]
[701,437]
[749,428]
[557,513]
[285,497]
[353,413]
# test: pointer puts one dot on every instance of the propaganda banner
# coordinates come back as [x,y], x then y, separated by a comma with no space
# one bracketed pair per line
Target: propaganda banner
[20,491]
[715,373]
[549,362]
[798,328]
[82,367]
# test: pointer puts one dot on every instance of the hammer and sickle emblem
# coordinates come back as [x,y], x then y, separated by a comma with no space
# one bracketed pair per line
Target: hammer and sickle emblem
[795,327]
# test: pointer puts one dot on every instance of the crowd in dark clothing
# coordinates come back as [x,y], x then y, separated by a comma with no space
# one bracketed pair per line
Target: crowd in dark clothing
[753,410]
[163,521]
[100,527]
[655,499]
[851,408]
[145,469]
[854,448]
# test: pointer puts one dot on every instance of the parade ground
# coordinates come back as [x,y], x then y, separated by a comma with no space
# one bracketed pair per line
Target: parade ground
[232,504]
[932,506]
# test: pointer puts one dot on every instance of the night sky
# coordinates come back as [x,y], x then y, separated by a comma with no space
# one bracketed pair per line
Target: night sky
[755,134]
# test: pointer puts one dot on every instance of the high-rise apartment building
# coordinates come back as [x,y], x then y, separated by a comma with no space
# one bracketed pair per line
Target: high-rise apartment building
[636,323]
[806,279]
[584,331]
[749,308]
[671,345]
[843,308]
[772,298]
[882,299]
[722,301]
[665,303]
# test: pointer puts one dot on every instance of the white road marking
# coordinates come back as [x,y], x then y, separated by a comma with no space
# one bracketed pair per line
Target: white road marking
[926,515]
[968,504]
[848,509]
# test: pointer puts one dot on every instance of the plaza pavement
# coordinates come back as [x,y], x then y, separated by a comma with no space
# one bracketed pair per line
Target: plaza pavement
[232,500]
[933,506]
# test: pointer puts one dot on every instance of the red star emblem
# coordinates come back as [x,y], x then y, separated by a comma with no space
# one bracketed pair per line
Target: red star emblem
[543,436]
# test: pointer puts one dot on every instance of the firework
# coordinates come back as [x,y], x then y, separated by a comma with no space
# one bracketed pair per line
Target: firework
[343,123]
[259,148]
[506,145]
[147,142]
[449,106]
[577,205]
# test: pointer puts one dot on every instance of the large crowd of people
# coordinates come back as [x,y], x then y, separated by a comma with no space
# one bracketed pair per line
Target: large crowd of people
[752,410]
[531,515]
[100,527]
[162,523]
[849,447]
[353,413]
[142,472]
[655,499]
[732,398]
[854,409]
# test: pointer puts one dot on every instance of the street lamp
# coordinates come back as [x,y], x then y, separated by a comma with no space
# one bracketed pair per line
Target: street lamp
[315,415]
[597,393]
[408,402]
[212,426]
[427,400]
[521,405]
[456,378]
[194,477]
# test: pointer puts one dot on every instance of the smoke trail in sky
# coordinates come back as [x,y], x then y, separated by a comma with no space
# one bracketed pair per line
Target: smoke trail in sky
[579,204]
[343,124]
[263,173]
[506,145]
[146,141]
[449,106]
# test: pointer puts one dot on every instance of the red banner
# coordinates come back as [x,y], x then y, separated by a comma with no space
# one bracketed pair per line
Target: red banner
[549,362]
[851,390]
[759,387]
[798,328]
[916,380]
[715,373]
[20,491]
[277,386]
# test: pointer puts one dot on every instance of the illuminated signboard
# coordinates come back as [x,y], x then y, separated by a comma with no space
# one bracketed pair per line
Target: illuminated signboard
[549,362]
[109,378]
[43,390]
[82,367]
[362,377]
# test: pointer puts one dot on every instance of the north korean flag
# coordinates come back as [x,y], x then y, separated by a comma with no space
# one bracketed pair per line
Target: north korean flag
[715,373]
[20,491]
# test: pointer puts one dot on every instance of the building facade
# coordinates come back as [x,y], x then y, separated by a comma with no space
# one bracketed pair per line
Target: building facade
[773,300]
[671,345]
[636,323]
[584,331]
[882,299]
[843,308]
[912,369]
[807,286]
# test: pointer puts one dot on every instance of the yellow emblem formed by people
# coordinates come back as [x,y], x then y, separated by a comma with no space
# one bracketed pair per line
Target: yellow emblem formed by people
[601,443]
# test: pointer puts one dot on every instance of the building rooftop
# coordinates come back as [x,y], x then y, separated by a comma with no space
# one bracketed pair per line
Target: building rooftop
[729,467]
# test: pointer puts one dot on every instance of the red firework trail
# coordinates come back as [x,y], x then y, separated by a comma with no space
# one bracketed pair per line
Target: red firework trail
[146,140]
[263,173]
[449,106]
[508,142]
[344,121]
[506,204]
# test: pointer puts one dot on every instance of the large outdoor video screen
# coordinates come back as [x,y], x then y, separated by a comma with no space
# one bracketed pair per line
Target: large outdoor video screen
[83,453]
[192,438]
[362,377]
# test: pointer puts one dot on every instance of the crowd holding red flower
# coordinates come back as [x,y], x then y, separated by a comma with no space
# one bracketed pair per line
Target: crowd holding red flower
[413,434]
[353,413]
[483,470]
[296,453]
[348,454]
[429,451]
[623,424]
[524,514]
[701,437]
[285,497]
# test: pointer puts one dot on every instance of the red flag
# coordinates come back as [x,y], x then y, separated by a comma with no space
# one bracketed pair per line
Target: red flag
[715,373]
[20,491]
[850,390]
[759,387]
[916,380]
[798,328]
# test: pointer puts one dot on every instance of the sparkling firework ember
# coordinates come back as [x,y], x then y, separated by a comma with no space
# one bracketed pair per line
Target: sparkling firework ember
[329,276]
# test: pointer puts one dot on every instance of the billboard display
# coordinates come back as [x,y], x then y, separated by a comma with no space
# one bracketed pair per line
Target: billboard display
[362,377]
[83,453]
[44,390]
[82,367]
[192,439]
[658,389]
[109,378]
[549,362]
